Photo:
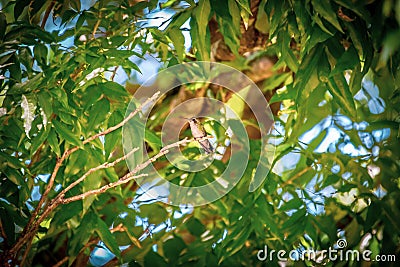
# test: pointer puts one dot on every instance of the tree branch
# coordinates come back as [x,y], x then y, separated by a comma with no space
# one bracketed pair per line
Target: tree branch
[92,170]
[61,262]
[127,177]
[114,72]
[47,13]
[124,179]
[100,190]
[72,150]
[34,221]
[28,247]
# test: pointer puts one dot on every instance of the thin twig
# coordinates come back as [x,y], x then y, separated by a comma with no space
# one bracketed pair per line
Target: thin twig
[134,240]
[4,235]
[101,189]
[28,248]
[96,26]
[114,72]
[294,177]
[47,13]
[61,262]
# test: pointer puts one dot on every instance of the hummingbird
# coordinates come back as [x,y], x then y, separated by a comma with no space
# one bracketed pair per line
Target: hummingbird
[198,133]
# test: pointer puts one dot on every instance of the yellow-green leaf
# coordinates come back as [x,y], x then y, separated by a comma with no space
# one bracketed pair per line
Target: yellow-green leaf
[67,134]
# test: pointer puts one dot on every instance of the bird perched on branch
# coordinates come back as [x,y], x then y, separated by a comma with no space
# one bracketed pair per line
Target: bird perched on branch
[199,134]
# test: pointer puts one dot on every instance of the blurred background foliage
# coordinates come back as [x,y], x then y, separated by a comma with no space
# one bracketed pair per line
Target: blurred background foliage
[330,70]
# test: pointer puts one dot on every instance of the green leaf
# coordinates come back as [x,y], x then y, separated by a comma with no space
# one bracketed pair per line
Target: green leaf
[339,88]
[77,162]
[107,237]
[113,90]
[317,140]
[357,7]
[18,9]
[239,240]
[180,18]
[14,176]
[380,124]
[67,134]
[317,35]
[277,11]
[53,142]
[93,93]
[60,97]
[113,139]
[390,47]
[133,133]
[321,25]
[45,101]
[307,69]
[154,212]
[130,65]
[347,61]
[275,81]
[356,79]
[154,259]
[201,15]
[294,203]
[112,176]
[262,22]
[289,93]
[303,17]
[66,212]
[76,4]
[177,38]
[295,218]
[286,52]
[228,18]
[293,27]
[120,53]
[11,216]
[11,161]
[38,140]
[234,12]
[82,233]
[40,33]
[324,8]
[80,21]
[153,140]
[245,5]
[195,227]
[40,52]
[98,114]
[93,181]
[330,180]
[362,43]
[172,249]
[68,16]
[236,102]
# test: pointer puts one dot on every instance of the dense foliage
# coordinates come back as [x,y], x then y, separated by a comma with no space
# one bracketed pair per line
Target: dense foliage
[334,83]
